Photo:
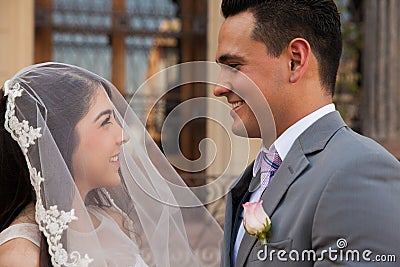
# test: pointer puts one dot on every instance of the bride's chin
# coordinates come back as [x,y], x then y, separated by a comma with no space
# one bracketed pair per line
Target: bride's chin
[116,181]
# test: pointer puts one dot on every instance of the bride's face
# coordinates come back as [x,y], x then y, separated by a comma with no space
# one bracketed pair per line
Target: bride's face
[95,160]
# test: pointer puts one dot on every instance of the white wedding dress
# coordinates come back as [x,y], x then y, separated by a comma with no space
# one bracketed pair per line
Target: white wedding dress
[125,253]
[27,231]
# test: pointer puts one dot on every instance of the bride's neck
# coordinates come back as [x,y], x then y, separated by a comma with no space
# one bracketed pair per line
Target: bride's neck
[82,213]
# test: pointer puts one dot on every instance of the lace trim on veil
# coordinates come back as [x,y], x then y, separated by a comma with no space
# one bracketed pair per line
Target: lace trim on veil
[52,222]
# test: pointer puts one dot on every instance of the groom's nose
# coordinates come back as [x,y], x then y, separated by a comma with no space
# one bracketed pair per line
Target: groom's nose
[221,90]
[222,86]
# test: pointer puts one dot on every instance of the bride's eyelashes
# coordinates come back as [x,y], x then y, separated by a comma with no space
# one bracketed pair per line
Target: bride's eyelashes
[107,120]
[110,119]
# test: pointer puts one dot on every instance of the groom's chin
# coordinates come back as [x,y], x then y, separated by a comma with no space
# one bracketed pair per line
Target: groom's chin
[240,130]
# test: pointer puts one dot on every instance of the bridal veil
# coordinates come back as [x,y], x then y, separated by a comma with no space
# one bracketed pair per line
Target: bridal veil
[162,220]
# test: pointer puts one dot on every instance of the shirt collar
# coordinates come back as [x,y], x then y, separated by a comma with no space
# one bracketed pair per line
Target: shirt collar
[284,142]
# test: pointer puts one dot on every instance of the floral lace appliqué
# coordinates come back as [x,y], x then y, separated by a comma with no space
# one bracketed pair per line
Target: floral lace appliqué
[52,222]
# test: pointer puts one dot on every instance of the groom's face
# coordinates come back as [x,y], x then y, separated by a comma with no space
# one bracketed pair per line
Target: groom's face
[247,59]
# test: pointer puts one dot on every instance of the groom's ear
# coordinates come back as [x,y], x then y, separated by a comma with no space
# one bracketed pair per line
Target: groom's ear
[299,51]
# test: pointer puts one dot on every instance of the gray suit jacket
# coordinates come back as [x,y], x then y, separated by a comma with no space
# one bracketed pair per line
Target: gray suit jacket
[332,184]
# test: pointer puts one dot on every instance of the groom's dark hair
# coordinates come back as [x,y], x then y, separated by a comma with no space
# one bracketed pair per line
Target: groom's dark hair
[277,22]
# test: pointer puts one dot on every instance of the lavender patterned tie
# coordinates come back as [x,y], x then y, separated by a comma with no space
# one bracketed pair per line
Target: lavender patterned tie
[270,163]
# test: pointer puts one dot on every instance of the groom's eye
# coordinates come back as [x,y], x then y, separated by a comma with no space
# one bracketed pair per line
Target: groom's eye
[234,65]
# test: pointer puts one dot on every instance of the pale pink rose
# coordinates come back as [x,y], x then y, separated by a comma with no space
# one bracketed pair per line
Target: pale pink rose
[256,221]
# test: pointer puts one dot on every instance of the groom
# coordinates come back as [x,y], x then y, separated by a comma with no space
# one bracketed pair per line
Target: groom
[331,193]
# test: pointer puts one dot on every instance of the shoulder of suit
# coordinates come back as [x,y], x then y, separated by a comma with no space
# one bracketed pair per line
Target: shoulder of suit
[359,147]
[19,252]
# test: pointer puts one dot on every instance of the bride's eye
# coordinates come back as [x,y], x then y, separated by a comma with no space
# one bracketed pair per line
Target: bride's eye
[106,121]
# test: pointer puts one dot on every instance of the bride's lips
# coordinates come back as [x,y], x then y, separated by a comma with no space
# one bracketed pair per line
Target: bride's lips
[114,160]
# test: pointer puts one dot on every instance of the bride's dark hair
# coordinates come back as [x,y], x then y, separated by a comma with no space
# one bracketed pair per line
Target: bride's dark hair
[16,191]
[67,100]
[15,187]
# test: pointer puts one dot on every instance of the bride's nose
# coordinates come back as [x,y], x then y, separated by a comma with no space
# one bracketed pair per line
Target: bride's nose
[123,136]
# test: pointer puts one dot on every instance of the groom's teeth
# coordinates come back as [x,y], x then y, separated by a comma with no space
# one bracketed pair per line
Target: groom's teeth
[237,104]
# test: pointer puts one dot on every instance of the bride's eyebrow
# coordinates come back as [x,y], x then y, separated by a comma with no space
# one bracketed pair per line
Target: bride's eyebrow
[105,112]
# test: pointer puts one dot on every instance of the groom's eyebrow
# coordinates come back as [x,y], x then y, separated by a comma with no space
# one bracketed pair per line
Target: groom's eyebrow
[105,112]
[226,58]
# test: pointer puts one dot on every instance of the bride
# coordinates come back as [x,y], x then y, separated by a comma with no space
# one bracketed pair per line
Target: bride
[82,183]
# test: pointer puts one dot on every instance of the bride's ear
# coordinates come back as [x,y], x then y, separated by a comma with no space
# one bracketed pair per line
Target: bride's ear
[299,53]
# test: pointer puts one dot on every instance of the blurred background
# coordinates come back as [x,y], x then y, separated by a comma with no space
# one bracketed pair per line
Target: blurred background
[128,41]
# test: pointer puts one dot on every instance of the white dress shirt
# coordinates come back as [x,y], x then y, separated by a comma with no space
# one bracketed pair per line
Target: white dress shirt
[282,145]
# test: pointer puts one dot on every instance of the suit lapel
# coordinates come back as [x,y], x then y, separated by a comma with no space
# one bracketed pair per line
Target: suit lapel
[238,189]
[293,165]
[291,168]
[226,250]
[314,139]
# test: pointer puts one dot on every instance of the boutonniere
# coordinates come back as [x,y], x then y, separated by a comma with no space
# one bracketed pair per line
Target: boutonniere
[256,221]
